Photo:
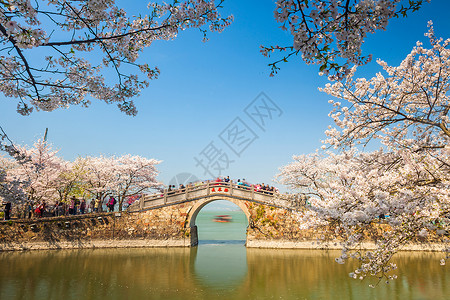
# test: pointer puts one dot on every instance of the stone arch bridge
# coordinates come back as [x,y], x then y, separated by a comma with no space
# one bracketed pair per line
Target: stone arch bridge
[173,213]
[165,220]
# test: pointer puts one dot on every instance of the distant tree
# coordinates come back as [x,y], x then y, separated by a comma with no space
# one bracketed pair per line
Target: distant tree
[45,176]
[120,177]
[330,33]
[70,180]
[134,175]
[100,176]
[38,175]
[10,188]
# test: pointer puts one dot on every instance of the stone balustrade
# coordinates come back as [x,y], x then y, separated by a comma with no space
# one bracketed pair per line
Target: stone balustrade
[227,190]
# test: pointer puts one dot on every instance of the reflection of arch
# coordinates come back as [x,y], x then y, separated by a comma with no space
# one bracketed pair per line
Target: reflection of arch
[193,212]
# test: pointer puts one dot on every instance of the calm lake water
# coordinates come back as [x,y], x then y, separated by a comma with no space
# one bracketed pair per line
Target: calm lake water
[219,268]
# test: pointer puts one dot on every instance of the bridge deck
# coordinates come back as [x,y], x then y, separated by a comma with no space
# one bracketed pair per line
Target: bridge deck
[212,189]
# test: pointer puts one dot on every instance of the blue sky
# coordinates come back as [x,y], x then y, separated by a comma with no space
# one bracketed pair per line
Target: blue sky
[203,87]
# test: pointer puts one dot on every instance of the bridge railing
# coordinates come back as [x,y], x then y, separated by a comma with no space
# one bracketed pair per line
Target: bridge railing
[208,189]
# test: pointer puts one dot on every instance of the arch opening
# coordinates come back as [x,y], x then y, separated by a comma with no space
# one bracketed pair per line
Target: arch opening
[218,220]
[221,256]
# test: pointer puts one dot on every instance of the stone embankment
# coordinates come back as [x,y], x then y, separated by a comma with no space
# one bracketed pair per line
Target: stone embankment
[164,227]
[174,226]
[271,227]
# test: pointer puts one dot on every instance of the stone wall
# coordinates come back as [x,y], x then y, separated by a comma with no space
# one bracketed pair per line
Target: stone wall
[164,227]
[269,227]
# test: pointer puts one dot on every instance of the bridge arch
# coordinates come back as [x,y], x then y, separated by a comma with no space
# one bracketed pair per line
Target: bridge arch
[199,204]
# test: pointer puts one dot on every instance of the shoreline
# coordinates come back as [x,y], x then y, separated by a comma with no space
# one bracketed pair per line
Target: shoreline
[185,243]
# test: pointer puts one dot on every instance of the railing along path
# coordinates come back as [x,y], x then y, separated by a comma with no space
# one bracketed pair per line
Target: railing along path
[210,190]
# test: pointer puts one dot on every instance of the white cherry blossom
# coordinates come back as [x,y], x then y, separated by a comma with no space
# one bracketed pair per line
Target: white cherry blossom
[399,194]
[80,42]
[330,33]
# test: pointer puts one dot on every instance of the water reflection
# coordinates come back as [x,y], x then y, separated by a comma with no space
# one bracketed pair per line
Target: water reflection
[96,274]
[219,268]
[221,262]
[312,274]
[221,265]
[220,271]
[216,242]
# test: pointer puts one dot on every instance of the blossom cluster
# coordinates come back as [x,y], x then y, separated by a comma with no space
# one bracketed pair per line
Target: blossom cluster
[408,108]
[81,42]
[331,33]
[354,190]
[399,194]
[10,189]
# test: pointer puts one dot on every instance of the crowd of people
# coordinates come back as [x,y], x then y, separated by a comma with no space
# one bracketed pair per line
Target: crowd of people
[74,206]
[258,187]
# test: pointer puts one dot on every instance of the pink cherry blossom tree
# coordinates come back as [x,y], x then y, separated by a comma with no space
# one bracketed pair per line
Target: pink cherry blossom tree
[10,189]
[100,176]
[406,108]
[356,192]
[330,33]
[39,173]
[405,111]
[134,175]
[121,177]
[74,44]
[44,176]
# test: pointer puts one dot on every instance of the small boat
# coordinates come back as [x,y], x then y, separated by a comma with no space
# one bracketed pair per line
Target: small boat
[222,218]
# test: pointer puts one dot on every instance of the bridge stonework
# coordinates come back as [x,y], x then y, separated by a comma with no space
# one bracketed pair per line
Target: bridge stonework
[271,224]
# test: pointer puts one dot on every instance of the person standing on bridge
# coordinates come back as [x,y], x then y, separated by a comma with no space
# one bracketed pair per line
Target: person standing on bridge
[171,189]
[29,209]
